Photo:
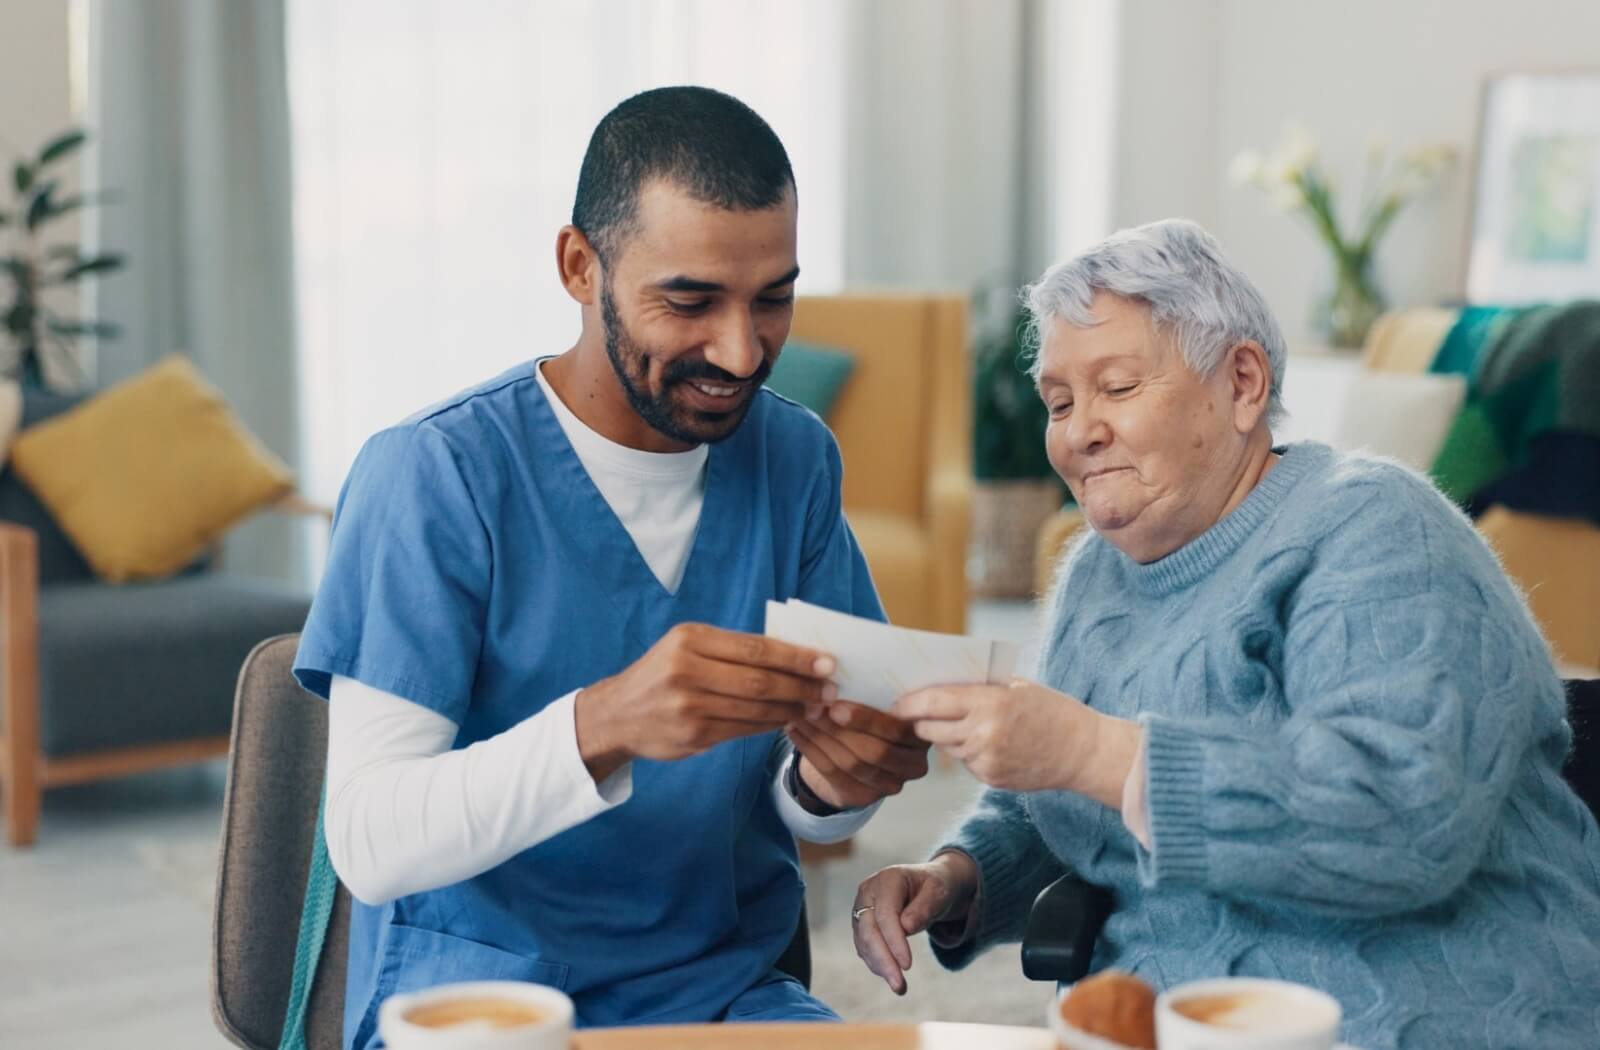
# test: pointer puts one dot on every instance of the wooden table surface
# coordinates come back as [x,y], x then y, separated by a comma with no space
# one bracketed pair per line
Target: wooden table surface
[932,1036]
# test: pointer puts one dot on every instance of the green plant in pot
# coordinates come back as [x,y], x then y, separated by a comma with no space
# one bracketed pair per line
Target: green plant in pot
[1016,487]
[37,334]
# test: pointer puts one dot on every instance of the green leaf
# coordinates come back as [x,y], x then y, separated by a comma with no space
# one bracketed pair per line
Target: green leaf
[99,329]
[62,145]
[19,319]
[106,263]
[22,176]
[61,207]
[1009,418]
[41,207]
[5,217]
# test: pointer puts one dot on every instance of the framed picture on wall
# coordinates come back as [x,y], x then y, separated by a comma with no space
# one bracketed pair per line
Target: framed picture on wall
[1535,227]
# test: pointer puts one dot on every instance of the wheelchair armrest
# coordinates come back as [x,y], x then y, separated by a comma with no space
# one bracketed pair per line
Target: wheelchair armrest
[1062,928]
[1582,768]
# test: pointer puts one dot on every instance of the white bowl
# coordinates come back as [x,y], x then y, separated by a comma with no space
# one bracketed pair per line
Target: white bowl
[552,1033]
[1305,1019]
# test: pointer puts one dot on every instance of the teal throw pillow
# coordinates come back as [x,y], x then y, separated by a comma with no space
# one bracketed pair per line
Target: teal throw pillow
[812,375]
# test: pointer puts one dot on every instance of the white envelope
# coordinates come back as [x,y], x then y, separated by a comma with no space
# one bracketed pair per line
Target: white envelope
[878,662]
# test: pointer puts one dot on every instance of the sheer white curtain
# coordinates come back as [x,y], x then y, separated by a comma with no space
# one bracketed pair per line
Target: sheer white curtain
[188,102]
[936,140]
[436,152]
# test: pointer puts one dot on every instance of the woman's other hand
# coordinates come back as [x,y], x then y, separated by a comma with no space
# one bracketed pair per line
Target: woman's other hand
[901,901]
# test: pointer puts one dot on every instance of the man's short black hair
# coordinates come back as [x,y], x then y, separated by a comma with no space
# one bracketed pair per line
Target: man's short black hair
[711,144]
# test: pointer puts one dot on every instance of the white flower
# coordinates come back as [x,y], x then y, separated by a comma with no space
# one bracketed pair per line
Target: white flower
[1281,172]
[1295,152]
[1407,184]
[1247,169]
[1286,196]
[1298,148]
[1431,159]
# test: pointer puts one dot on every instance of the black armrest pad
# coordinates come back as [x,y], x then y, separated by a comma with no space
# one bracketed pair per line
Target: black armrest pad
[1582,769]
[1062,928]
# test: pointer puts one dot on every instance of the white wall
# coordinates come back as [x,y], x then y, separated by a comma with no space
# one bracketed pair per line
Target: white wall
[1203,79]
[36,104]
[1166,161]
[934,143]
[36,101]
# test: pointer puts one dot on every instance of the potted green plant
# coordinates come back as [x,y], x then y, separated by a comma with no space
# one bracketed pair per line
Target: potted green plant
[39,335]
[1016,488]
[1296,180]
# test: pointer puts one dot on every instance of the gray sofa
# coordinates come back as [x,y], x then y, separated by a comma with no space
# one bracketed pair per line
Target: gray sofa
[102,680]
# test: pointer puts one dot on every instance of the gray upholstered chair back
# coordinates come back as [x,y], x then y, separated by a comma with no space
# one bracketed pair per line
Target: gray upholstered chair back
[269,814]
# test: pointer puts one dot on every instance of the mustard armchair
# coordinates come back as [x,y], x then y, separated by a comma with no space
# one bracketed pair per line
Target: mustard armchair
[904,425]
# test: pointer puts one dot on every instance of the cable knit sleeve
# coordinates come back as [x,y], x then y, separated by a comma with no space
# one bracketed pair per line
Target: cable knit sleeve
[1411,676]
[1014,865]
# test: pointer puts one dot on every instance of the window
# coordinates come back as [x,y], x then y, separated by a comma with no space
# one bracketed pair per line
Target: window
[436,152]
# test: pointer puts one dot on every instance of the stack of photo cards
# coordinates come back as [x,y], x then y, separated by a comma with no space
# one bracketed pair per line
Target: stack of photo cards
[878,662]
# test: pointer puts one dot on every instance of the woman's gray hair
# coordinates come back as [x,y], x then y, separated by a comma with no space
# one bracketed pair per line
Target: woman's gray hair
[1176,270]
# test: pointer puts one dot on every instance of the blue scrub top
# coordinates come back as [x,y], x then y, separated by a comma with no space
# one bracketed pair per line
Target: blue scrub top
[477,570]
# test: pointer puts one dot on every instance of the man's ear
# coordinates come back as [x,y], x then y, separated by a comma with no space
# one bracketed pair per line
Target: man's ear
[578,265]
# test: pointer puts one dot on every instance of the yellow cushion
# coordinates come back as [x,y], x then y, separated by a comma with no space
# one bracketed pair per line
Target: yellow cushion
[1552,560]
[148,474]
[1407,340]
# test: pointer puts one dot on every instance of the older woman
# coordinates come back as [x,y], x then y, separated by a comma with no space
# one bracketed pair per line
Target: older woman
[1291,713]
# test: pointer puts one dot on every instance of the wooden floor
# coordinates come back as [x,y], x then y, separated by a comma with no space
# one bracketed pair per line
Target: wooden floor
[105,924]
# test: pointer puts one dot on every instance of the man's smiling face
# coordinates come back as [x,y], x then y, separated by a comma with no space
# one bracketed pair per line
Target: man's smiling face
[696,306]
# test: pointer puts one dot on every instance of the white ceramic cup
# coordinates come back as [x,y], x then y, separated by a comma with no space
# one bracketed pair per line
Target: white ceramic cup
[554,1032]
[1282,1016]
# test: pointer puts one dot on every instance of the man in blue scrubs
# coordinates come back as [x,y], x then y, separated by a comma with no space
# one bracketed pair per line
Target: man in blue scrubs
[559,748]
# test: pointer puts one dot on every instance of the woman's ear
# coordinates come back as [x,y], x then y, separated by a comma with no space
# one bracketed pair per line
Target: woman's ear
[1250,379]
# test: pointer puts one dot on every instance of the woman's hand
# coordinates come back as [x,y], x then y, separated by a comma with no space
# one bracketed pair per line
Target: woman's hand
[1026,737]
[904,900]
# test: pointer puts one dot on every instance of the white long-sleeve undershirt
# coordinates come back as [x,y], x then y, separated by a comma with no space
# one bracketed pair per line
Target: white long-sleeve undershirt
[406,813]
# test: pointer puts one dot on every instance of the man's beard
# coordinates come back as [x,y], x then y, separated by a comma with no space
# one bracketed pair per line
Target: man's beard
[631,363]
